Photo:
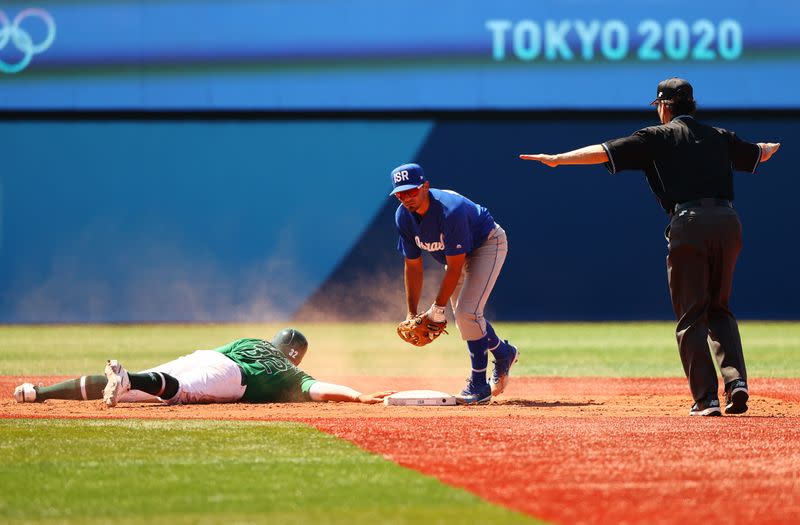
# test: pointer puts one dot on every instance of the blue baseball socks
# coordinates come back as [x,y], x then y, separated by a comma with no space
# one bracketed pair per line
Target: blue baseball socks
[478,355]
[498,348]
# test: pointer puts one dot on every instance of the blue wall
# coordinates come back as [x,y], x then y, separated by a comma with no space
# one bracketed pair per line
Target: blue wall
[584,244]
[227,220]
[129,221]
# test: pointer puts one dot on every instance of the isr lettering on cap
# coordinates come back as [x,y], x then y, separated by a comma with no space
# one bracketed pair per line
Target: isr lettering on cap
[407,177]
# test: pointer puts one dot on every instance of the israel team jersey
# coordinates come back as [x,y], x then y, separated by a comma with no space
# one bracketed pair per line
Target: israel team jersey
[270,376]
[452,225]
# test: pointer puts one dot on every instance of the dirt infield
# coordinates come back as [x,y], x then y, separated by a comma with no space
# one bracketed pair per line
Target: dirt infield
[569,450]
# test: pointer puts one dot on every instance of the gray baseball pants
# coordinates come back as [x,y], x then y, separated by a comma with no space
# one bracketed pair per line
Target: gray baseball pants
[477,280]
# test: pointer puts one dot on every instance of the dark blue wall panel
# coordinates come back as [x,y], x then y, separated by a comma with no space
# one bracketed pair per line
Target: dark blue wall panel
[584,244]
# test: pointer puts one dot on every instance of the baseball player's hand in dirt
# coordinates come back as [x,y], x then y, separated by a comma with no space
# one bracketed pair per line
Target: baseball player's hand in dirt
[375,397]
[768,149]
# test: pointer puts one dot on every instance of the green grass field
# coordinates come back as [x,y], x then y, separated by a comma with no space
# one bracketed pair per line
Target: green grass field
[173,472]
[550,349]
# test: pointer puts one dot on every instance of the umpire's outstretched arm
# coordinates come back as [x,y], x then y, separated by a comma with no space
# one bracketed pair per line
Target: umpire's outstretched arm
[596,154]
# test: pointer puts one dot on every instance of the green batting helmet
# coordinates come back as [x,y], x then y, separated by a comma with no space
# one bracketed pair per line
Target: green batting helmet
[292,343]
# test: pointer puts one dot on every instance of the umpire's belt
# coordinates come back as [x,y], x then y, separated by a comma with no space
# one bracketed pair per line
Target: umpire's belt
[703,203]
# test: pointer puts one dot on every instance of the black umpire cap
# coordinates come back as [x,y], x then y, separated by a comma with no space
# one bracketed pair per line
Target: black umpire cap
[672,89]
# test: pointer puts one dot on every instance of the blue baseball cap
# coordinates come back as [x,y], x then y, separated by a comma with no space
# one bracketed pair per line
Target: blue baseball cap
[407,177]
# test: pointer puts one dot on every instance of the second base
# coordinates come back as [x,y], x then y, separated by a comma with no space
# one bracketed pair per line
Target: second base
[420,398]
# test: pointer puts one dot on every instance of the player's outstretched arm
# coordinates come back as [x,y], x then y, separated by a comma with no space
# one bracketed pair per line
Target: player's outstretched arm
[375,397]
[768,149]
[595,154]
[321,391]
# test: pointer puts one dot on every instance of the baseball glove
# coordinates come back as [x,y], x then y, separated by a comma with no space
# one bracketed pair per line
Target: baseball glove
[420,330]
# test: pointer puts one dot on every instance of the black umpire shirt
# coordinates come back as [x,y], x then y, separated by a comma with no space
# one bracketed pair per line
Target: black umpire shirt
[684,160]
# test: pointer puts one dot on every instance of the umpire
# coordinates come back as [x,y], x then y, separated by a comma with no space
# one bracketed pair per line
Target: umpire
[689,166]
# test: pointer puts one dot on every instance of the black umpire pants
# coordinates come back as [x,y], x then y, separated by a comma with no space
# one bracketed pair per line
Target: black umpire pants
[704,244]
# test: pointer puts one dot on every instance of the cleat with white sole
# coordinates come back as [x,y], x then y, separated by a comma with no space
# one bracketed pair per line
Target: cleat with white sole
[25,393]
[118,383]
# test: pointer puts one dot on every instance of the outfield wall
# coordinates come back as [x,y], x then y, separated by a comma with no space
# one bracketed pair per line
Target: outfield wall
[265,219]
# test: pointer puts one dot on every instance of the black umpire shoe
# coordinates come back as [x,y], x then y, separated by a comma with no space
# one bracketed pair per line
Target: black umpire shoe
[706,407]
[736,396]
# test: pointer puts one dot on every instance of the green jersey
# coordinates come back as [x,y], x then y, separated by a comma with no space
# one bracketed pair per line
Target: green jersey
[268,373]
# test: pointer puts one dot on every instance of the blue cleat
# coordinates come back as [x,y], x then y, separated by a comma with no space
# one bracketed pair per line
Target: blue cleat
[475,394]
[501,369]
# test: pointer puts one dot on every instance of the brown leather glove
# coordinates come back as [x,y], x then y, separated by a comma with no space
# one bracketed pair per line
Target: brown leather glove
[420,330]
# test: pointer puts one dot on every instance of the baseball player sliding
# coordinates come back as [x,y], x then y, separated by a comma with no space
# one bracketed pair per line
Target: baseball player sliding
[246,370]
[463,236]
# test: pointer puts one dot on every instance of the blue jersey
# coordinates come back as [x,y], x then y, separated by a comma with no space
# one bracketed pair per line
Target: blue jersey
[452,225]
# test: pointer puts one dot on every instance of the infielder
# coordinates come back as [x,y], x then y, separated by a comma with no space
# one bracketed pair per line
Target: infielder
[463,236]
[246,370]
[689,167]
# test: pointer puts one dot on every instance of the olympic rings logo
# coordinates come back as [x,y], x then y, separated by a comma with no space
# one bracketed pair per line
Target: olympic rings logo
[12,31]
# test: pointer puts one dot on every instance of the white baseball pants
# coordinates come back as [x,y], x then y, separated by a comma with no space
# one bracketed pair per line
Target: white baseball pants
[205,376]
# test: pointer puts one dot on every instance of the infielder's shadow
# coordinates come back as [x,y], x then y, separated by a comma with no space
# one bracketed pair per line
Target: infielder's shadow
[544,404]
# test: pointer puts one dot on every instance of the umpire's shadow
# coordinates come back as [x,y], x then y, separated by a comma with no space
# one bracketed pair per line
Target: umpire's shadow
[530,403]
